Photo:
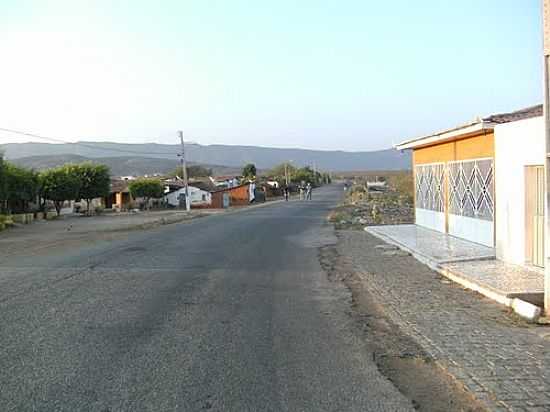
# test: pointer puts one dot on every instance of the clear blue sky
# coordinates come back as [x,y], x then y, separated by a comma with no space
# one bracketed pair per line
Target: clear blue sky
[351,75]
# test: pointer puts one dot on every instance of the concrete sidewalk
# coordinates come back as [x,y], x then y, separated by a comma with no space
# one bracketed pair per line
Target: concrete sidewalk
[502,360]
[470,264]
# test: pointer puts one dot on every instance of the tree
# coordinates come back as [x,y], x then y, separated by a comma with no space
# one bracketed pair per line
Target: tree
[59,185]
[95,181]
[193,171]
[279,171]
[20,187]
[249,171]
[146,188]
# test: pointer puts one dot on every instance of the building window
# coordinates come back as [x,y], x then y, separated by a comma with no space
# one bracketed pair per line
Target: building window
[429,186]
[471,188]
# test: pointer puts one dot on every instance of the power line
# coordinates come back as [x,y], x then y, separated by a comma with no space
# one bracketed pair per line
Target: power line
[57,140]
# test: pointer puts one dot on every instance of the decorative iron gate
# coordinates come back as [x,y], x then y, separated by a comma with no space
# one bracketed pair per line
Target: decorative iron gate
[471,200]
[429,186]
[471,188]
[430,197]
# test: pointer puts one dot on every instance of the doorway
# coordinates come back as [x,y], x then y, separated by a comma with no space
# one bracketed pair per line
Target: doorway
[534,215]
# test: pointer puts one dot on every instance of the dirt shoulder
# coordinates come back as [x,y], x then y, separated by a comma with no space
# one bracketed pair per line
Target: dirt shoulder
[70,231]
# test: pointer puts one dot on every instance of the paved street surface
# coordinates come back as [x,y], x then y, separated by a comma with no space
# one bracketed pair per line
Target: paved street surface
[502,360]
[229,312]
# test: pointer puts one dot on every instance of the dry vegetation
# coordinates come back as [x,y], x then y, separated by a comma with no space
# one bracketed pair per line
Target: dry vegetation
[363,207]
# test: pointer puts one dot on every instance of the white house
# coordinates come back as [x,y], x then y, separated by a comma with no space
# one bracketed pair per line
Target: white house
[484,182]
[519,187]
[176,196]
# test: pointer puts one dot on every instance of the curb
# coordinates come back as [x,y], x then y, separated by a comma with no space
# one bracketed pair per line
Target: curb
[522,308]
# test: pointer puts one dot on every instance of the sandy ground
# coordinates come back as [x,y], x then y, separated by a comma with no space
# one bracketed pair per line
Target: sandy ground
[70,231]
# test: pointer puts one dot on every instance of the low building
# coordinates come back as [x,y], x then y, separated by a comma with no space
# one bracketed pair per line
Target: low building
[240,195]
[119,197]
[484,182]
[175,196]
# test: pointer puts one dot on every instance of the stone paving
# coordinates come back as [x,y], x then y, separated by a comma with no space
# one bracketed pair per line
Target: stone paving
[502,360]
[503,277]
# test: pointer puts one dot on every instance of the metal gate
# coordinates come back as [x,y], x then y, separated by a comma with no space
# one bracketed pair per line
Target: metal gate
[471,205]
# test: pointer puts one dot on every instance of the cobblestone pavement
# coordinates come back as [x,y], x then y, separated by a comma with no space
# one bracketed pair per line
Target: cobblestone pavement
[504,361]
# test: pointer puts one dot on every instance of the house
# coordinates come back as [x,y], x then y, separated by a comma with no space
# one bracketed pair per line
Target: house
[484,182]
[119,196]
[175,195]
[233,196]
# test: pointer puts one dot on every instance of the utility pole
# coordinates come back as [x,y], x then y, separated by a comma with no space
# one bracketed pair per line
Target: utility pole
[184,172]
[286,173]
[546,66]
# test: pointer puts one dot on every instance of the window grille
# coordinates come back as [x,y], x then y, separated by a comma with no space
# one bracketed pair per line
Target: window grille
[429,180]
[471,188]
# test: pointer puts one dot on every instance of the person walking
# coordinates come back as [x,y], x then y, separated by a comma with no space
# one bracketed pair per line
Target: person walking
[308,191]
[285,193]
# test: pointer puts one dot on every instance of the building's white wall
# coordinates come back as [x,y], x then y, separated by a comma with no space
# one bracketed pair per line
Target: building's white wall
[430,219]
[474,230]
[517,144]
[197,196]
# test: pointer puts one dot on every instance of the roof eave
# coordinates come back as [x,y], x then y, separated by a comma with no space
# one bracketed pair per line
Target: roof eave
[447,135]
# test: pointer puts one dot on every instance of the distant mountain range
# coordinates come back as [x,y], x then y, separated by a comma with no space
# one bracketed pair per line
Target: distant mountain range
[144,156]
[119,166]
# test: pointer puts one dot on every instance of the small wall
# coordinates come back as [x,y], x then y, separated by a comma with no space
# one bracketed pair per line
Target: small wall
[430,219]
[23,218]
[475,230]
[517,144]
[238,196]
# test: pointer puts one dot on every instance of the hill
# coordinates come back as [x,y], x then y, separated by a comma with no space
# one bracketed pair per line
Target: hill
[119,166]
[233,156]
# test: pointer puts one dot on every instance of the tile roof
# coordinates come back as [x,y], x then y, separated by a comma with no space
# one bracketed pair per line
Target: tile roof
[226,177]
[527,113]
[202,185]
[119,186]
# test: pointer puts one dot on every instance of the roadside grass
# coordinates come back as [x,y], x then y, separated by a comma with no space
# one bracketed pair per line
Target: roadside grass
[363,207]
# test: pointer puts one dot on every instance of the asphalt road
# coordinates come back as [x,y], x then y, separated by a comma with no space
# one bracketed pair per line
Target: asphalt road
[230,312]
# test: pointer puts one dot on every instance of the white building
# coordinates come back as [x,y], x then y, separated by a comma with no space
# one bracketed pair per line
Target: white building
[198,197]
[484,182]
[519,187]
